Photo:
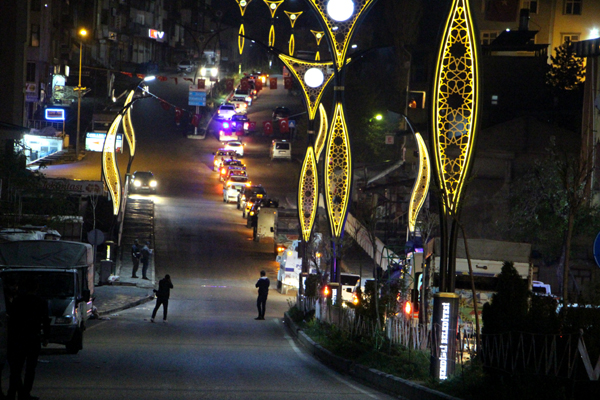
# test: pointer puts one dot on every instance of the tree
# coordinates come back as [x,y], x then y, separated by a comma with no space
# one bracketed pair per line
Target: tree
[508,309]
[566,72]
[549,202]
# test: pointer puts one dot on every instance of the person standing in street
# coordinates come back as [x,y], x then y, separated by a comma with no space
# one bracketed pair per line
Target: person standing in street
[146,252]
[136,254]
[162,297]
[263,291]
[27,317]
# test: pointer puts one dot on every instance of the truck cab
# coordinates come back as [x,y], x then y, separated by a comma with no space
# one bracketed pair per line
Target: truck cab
[64,273]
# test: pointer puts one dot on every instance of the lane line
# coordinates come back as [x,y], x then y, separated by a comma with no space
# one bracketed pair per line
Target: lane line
[327,370]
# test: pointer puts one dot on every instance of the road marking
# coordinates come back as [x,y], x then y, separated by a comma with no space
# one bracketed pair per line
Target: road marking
[327,370]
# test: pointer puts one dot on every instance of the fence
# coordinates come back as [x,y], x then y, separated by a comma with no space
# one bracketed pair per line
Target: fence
[513,353]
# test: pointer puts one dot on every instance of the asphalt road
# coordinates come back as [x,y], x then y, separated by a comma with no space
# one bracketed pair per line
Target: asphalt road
[211,347]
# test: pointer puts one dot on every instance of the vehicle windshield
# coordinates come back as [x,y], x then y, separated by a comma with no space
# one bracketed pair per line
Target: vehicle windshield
[49,284]
[282,146]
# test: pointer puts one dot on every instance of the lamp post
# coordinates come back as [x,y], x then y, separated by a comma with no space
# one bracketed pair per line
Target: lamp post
[82,33]
[339,19]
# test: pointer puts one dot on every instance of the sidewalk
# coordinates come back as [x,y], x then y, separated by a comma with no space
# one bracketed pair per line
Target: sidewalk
[126,292]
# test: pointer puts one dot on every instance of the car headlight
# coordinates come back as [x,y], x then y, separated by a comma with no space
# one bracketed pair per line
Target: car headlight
[64,320]
[137,183]
[214,72]
[153,183]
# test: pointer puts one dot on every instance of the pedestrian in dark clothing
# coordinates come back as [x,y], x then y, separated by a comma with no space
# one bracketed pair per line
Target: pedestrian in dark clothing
[146,252]
[136,254]
[162,296]
[263,291]
[27,317]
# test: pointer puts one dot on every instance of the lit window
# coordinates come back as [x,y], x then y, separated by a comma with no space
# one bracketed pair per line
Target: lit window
[572,7]
[531,5]
[571,37]
[35,35]
[487,37]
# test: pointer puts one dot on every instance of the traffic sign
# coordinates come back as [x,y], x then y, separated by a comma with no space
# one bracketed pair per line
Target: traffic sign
[197,97]
[292,124]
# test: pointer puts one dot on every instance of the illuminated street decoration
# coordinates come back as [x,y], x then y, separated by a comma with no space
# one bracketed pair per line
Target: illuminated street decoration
[307,193]
[340,18]
[318,36]
[300,69]
[322,135]
[243,4]
[421,188]
[110,169]
[128,126]
[455,104]
[454,118]
[338,171]
[273,6]
[293,17]
[241,39]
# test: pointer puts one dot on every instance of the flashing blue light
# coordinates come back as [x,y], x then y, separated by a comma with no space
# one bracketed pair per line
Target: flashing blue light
[225,125]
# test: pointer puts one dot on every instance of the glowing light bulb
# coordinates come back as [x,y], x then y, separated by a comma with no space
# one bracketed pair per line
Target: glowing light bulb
[340,10]
[314,77]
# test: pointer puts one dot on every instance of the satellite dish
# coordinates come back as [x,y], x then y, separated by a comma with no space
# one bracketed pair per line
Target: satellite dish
[597,249]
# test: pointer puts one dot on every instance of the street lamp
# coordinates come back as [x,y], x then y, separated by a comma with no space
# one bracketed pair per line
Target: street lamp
[82,32]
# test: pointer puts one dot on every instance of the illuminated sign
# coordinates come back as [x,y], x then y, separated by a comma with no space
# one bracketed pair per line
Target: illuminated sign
[55,114]
[445,324]
[94,141]
[154,34]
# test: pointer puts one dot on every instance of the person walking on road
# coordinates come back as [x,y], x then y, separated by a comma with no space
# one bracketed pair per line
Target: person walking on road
[162,297]
[263,291]
[136,254]
[146,252]
[27,317]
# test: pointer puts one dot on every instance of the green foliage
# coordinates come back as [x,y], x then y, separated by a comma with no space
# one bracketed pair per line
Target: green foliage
[311,285]
[566,71]
[542,199]
[507,310]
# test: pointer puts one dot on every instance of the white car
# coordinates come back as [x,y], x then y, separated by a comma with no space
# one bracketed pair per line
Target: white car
[225,111]
[236,146]
[231,190]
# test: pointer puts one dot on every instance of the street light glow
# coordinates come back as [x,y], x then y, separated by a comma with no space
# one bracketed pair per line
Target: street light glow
[314,77]
[82,32]
[149,78]
[340,10]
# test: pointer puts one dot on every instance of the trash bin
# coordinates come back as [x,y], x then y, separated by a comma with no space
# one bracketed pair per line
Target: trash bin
[106,268]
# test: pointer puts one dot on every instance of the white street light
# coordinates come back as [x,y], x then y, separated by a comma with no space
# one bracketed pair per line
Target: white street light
[314,77]
[340,10]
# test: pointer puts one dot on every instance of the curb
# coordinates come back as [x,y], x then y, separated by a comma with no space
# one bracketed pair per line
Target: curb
[126,306]
[382,381]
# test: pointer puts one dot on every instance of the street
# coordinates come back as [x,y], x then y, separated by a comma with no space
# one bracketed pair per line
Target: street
[211,346]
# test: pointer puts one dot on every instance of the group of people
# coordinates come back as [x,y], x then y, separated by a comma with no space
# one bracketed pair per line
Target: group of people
[140,253]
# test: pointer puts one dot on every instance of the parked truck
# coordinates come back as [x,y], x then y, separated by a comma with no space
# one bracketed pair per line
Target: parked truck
[64,274]
[286,229]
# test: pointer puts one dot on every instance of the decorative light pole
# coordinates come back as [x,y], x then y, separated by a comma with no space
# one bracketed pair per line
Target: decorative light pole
[454,126]
[82,33]
[293,16]
[313,78]
[339,19]
[110,168]
[318,36]
[241,38]
[273,6]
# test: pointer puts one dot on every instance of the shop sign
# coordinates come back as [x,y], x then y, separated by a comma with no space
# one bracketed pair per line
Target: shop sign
[83,188]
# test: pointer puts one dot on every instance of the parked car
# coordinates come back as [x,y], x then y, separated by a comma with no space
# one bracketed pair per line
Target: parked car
[221,155]
[240,119]
[280,149]
[256,191]
[143,181]
[225,111]
[280,112]
[186,66]
[236,146]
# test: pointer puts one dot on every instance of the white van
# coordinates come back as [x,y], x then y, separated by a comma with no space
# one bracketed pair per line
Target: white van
[281,149]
